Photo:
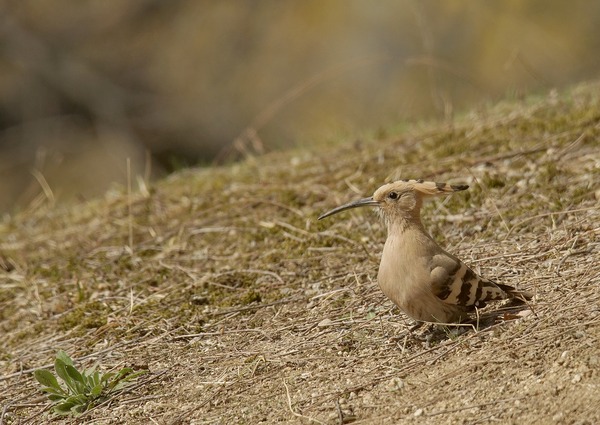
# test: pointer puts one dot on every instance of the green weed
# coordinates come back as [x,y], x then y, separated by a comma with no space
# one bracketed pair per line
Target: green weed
[83,390]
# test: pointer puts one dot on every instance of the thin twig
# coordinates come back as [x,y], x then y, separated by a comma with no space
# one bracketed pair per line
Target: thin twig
[129,206]
[340,414]
[298,415]
[528,219]
[258,306]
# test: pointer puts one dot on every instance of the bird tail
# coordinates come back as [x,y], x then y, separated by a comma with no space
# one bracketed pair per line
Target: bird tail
[515,293]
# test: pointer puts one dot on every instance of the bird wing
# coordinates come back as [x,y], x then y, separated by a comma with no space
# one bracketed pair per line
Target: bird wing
[456,284]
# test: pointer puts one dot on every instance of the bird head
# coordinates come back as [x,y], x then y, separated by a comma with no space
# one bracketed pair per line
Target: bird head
[401,199]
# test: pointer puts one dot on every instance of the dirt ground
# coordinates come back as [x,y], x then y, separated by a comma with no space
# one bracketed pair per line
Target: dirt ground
[245,309]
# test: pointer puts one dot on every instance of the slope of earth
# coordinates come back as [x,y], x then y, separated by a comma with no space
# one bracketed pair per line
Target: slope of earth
[245,309]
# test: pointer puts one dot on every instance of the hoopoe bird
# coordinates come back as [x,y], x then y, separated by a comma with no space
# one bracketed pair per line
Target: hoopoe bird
[426,282]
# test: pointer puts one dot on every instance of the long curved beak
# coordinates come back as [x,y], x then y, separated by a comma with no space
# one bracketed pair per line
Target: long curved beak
[365,202]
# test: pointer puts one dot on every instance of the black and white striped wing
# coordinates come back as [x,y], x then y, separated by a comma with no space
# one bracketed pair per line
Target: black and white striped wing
[456,284]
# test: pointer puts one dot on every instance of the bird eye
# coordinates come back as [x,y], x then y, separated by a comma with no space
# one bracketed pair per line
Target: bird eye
[393,195]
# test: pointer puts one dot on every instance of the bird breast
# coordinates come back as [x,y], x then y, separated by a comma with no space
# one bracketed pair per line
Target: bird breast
[404,270]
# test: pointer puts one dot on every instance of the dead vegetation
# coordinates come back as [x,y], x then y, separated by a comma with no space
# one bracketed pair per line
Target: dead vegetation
[245,309]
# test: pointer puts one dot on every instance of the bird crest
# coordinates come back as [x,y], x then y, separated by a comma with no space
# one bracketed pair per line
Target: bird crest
[423,187]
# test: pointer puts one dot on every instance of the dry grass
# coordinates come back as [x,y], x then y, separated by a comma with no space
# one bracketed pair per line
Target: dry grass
[245,309]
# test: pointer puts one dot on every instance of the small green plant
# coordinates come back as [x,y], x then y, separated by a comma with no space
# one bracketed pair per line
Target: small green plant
[84,389]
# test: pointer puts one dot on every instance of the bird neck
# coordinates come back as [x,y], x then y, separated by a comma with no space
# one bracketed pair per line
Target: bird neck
[403,222]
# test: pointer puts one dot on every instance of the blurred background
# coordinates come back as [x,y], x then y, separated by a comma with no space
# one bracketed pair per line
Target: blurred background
[87,85]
